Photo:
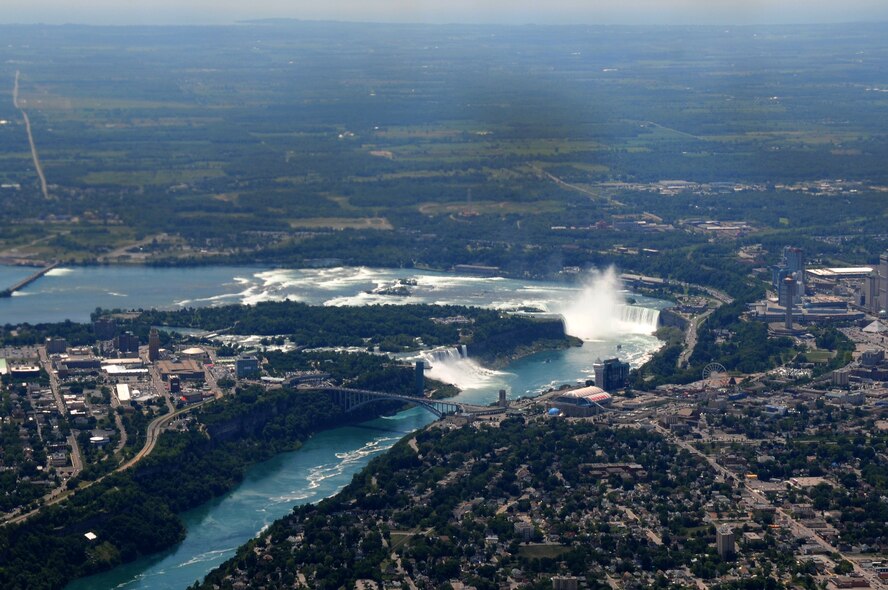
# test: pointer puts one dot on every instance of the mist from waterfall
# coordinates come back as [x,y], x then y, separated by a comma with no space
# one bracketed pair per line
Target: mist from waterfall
[600,310]
[452,365]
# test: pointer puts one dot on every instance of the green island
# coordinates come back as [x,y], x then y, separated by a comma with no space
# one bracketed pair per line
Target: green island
[737,172]
[206,452]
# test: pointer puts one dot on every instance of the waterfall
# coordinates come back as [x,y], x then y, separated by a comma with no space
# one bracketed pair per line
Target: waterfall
[639,320]
[452,365]
[442,355]
[600,310]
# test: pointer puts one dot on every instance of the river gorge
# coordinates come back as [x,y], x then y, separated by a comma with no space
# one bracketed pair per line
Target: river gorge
[595,311]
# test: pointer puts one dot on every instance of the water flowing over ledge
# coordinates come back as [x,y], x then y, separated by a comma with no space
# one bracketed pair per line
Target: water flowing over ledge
[327,462]
[592,310]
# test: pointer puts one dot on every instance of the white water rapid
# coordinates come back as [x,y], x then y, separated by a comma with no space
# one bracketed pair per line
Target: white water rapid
[452,365]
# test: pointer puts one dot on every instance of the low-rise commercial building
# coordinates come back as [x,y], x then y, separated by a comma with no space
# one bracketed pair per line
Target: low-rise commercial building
[185,370]
[246,366]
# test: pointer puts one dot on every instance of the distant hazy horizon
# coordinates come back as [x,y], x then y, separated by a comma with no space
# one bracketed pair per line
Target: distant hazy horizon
[587,12]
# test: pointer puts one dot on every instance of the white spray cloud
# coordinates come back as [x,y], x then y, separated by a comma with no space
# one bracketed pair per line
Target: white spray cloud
[601,311]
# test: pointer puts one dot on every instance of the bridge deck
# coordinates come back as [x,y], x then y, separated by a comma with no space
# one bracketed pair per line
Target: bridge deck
[28,280]
[360,397]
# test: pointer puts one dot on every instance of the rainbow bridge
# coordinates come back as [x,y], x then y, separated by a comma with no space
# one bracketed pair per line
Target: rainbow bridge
[352,399]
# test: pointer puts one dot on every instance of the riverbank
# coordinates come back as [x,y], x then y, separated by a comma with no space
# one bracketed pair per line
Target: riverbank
[136,513]
[501,361]
[327,462]
[324,464]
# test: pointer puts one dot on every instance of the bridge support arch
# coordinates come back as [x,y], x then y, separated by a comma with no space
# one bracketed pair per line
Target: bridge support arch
[352,399]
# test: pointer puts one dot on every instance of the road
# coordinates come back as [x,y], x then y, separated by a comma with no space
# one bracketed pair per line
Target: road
[55,386]
[691,334]
[796,528]
[76,456]
[720,295]
[573,187]
[124,250]
[155,428]
[118,422]
[691,338]
[152,435]
[37,165]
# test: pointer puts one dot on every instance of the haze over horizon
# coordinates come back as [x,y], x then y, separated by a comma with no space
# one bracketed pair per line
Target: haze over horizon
[628,12]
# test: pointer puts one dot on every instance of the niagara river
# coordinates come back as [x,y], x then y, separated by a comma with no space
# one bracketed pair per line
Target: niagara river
[596,311]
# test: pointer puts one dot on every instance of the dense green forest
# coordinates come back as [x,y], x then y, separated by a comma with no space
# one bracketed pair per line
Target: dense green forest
[489,334]
[394,325]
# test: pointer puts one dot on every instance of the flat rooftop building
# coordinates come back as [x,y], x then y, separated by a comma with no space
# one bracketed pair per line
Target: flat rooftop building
[25,371]
[849,272]
[185,369]
[123,393]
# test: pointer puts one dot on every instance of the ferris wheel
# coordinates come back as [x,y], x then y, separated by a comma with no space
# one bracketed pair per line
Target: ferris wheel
[715,375]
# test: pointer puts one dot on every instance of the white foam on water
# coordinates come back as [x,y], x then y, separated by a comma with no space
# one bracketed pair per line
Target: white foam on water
[213,299]
[362,299]
[547,288]
[251,297]
[600,311]
[278,278]
[59,272]
[544,305]
[333,279]
[450,366]
[319,473]
[397,417]
[291,497]
[213,555]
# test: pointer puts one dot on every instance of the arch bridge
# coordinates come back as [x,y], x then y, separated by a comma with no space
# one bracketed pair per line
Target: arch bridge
[352,399]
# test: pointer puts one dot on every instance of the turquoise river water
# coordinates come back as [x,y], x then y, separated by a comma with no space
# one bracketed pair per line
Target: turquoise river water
[595,310]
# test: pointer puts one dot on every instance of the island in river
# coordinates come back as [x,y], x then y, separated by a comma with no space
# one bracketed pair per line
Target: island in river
[189,466]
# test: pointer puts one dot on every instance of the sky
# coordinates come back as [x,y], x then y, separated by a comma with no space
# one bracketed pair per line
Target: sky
[446,11]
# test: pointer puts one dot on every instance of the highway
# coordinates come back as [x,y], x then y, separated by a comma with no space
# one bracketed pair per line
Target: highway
[152,435]
[34,156]
[155,428]
[691,338]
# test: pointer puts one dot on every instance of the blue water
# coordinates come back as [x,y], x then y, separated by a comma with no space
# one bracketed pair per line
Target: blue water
[320,469]
[328,461]
[73,293]
[323,466]
[10,275]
